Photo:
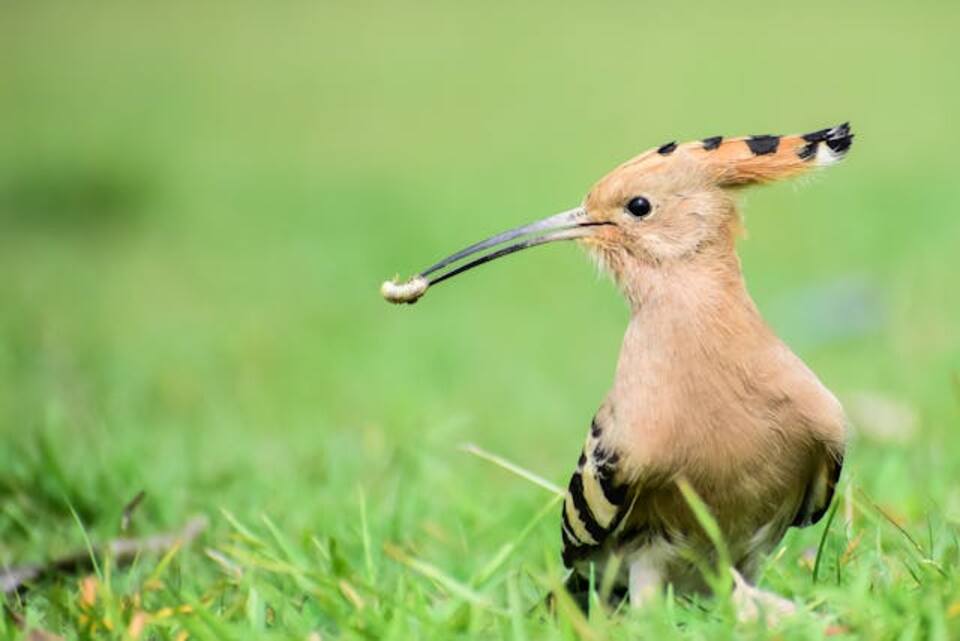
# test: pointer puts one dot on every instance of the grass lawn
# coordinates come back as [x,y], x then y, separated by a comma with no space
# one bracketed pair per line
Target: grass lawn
[198,202]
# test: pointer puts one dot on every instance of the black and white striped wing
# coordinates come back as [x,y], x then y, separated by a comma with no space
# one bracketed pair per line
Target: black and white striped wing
[597,499]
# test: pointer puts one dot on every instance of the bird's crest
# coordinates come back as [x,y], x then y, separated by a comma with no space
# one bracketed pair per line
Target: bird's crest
[751,159]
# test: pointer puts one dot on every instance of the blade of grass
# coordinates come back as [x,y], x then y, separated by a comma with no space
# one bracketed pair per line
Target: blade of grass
[365,536]
[922,557]
[265,562]
[517,618]
[88,544]
[610,573]
[570,611]
[213,624]
[289,554]
[470,448]
[165,561]
[255,613]
[436,575]
[720,581]
[230,568]
[241,529]
[495,563]
[823,539]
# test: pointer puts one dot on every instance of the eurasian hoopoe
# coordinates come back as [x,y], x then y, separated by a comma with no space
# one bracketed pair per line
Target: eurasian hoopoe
[704,390]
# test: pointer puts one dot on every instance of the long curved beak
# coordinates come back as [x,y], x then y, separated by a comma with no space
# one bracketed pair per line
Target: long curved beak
[567,225]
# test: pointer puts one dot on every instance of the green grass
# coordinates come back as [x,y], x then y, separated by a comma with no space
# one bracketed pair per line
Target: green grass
[197,205]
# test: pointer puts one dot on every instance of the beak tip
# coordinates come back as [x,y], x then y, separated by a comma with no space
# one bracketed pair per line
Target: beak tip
[408,292]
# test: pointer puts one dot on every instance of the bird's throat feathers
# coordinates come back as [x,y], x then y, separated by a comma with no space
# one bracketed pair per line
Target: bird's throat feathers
[698,284]
[693,311]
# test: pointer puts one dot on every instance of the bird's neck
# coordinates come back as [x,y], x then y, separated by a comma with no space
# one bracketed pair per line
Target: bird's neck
[685,316]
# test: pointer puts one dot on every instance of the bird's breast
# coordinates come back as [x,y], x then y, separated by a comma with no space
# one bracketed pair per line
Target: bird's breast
[724,413]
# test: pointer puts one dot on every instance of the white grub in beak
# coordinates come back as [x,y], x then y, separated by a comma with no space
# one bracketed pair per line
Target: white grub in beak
[408,292]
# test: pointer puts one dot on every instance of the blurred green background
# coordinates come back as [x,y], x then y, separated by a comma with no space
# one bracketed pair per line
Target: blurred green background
[198,202]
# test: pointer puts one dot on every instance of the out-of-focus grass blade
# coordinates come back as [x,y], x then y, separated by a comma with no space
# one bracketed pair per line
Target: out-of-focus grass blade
[921,556]
[610,573]
[241,529]
[215,630]
[266,563]
[165,561]
[292,559]
[434,573]
[512,467]
[281,541]
[255,610]
[517,617]
[229,567]
[365,535]
[567,609]
[823,538]
[495,563]
[86,540]
[721,580]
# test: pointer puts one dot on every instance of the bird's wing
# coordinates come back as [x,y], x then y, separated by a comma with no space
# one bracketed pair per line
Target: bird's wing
[597,500]
[819,492]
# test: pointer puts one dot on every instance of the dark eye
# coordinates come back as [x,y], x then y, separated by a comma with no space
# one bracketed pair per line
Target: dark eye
[639,207]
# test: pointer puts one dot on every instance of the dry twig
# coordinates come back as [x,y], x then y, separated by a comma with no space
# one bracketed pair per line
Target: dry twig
[122,550]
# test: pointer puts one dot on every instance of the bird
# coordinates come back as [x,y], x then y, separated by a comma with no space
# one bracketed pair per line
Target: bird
[704,395]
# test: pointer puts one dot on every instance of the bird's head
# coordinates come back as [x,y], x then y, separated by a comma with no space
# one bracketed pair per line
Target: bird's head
[667,206]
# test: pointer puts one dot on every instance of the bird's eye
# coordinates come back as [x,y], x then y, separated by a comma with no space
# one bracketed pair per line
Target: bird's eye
[638,207]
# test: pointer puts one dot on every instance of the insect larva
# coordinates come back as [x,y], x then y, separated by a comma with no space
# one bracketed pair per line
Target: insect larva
[408,292]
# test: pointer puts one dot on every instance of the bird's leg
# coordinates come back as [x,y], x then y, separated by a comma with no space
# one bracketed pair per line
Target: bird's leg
[751,602]
[646,578]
